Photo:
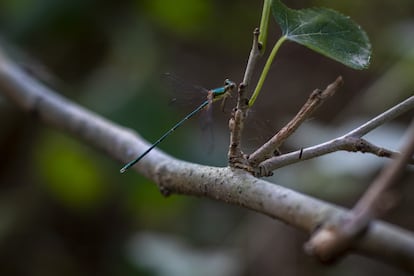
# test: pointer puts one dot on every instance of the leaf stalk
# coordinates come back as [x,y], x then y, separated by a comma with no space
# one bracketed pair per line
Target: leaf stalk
[266,70]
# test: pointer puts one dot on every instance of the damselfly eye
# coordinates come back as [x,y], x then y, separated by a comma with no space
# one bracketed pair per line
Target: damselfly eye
[229,83]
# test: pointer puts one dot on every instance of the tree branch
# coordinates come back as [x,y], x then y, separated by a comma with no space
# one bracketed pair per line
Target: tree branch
[316,98]
[236,123]
[351,141]
[331,241]
[381,241]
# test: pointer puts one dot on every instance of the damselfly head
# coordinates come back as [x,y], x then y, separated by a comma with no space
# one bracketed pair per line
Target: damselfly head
[229,84]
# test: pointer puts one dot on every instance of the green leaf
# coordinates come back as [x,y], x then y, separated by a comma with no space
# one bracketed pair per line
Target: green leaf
[325,31]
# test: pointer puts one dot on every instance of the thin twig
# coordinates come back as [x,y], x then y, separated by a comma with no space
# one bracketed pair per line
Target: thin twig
[362,145]
[346,142]
[236,123]
[316,98]
[254,57]
[384,117]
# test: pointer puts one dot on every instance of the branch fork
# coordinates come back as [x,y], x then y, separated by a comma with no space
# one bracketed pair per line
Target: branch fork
[380,240]
[335,236]
[332,241]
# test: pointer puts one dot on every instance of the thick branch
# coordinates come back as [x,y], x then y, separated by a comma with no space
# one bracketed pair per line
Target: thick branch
[381,241]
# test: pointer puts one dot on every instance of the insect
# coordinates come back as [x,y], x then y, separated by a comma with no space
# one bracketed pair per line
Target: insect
[213,95]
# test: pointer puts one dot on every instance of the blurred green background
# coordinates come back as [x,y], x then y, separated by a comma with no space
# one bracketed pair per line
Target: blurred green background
[66,210]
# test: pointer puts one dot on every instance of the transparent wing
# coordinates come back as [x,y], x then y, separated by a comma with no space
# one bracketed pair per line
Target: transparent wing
[206,125]
[182,93]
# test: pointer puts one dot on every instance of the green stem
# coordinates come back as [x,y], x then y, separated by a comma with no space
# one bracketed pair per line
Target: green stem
[266,70]
[264,23]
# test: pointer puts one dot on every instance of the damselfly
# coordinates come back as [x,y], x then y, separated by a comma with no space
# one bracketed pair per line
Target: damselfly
[213,95]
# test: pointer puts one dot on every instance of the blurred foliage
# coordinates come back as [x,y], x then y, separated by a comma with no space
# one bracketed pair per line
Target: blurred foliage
[178,16]
[145,198]
[69,172]
[65,209]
